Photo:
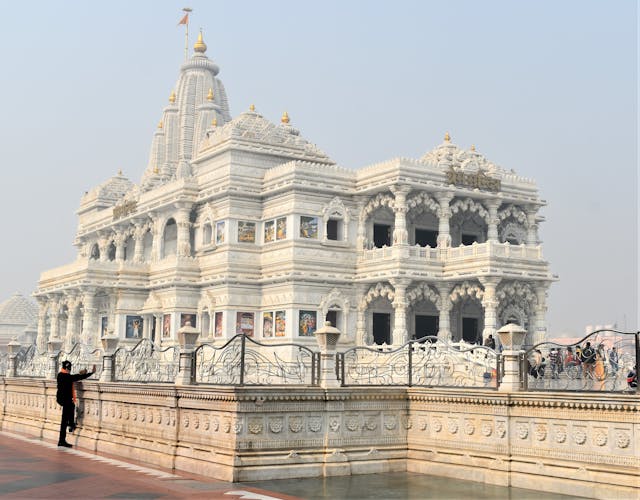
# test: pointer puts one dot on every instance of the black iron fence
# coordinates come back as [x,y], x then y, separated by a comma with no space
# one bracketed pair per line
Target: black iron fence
[146,363]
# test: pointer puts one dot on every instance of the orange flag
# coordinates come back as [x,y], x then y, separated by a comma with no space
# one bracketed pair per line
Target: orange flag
[184,20]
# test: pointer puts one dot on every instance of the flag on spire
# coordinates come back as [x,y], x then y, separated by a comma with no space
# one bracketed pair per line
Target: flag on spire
[184,20]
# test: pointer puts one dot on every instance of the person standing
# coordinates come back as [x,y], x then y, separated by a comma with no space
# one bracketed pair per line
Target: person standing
[66,397]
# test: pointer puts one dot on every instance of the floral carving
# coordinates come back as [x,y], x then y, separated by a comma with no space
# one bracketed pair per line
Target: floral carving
[216,424]
[437,424]
[390,422]
[295,424]
[422,424]
[600,438]
[276,425]
[561,434]
[579,436]
[370,423]
[334,424]
[522,430]
[255,426]
[237,426]
[469,427]
[352,423]
[540,432]
[622,439]
[452,425]
[315,423]
[226,425]
[487,429]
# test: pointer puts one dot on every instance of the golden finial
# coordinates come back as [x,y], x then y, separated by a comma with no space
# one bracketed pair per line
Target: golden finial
[200,46]
[210,95]
[160,124]
[156,170]
[447,137]
[473,147]
[252,108]
[214,122]
[285,117]
[172,97]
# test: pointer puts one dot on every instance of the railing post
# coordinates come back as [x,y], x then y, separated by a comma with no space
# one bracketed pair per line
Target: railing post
[53,348]
[327,338]
[14,348]
[410,346]
[242,348]
[109,345]
[511,336]
[187,336]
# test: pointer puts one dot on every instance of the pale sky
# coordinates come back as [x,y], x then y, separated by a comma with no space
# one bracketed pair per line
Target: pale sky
[548,88]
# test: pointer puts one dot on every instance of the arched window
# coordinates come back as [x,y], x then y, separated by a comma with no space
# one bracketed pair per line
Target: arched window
[111,251]
[129,248]
[95,252]
[207,233]
[147,246]
[170,238]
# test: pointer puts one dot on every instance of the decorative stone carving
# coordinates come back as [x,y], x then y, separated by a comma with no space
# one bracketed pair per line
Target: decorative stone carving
[579,436]
[276,424]
[295,424]
[522,430]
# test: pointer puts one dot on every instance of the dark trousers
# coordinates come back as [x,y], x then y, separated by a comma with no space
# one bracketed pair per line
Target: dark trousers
[68,420]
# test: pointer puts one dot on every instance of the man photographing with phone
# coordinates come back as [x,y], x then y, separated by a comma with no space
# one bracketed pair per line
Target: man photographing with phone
[66,397]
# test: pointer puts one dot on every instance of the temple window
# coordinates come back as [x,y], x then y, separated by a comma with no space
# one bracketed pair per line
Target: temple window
[95,252]
[335,229]
[381,235]
[468,239]
[147,245]
[207,233]
[381,328]
[170,238]
[129,248]
[426,237]
[111,251]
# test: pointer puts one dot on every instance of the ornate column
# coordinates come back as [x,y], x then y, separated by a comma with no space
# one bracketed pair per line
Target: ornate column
[490,304]
[158,320]
[362,226]
[492,230]
[532,225]
[42,337]
[103,245]
[362,337]
[156,246]
[400,334]
[119,240]
[54,315]
[73,308]
[444,330]
[182,220]
[444,214]
[400,234]
[540,331]
[90,319]
[138,236]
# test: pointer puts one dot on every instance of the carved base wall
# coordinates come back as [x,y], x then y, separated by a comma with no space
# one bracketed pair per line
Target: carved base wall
[564,443]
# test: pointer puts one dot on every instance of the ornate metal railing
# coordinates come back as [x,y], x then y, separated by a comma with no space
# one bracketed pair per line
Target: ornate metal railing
[244,361]
[145,363]
[4,363]
[82,357]
[31,363]
[601,361]
[427,362]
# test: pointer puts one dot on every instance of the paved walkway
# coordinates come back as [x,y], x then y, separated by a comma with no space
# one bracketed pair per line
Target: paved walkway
[32,468]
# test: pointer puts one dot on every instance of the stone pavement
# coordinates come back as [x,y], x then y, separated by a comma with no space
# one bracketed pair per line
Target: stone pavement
[32,468]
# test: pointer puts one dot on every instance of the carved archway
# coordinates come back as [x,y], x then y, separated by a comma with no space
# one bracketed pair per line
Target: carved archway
[424,292]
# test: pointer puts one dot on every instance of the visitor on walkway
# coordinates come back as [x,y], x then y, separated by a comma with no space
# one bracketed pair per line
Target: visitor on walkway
[490,342]
[66,397]
[613,360]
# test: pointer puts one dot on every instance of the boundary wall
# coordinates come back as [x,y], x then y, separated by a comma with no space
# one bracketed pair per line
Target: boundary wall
[580,444]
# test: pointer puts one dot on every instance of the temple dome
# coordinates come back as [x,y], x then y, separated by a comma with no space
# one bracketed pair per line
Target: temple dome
[448,154]
[106,194]
[18,310]
[253,131]
[198,98]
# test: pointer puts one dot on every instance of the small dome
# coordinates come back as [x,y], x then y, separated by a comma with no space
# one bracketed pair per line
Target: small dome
[18,310]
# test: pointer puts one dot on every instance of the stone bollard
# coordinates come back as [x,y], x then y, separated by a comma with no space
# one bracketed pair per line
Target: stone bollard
[13,347]
[327,338]
[53,348]
[512,337]
[109,345]
[187,336]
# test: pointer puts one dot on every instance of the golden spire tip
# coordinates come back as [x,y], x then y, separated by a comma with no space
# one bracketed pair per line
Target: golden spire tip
[285,117]
[200,46]
[473,147]
[160,125]
[172,97]
[210,95]
[447,137]
[252,108]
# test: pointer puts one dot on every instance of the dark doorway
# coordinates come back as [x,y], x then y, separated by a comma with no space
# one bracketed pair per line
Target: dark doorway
[153,329]
[332,231]
[332,317]
[469,239]
[426,325]
[381,328]
[470,330]
[381,235]
[426,237]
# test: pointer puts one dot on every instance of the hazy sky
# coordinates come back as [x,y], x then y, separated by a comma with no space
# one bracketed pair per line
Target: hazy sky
[547,88]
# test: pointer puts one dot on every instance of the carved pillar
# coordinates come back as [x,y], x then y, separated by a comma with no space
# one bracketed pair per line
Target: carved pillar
[490,304]
[400,334]
[184,240]
[492,229]
[444,215]
[138,237]
[119,242]
[540,331]
[103,245]
[532,226]
[156,246]
[158,320]
[444,330]
[42,336]
[400,234]
[362,338]
[73,308]
[54,318]
[90,319]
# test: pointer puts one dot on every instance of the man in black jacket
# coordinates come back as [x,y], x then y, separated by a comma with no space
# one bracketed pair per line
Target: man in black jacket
[66,397]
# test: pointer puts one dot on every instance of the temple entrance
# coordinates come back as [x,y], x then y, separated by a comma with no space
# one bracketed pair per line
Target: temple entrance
[381,328]
[426,325]
[470,330]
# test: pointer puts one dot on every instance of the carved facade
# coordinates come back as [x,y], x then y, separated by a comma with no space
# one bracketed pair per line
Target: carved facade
[243,226]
